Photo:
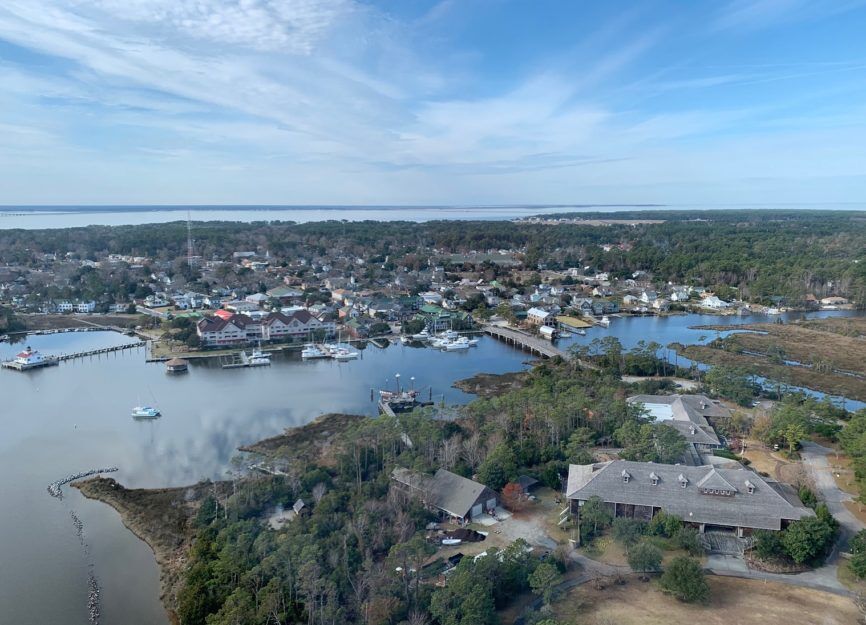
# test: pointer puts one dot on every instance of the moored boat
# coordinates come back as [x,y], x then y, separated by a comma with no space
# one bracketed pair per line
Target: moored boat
[311,351]
[145,412]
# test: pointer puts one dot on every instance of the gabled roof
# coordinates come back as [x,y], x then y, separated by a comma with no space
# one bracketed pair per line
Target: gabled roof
[714,481]
[764,506]
[447,491]
[685,413]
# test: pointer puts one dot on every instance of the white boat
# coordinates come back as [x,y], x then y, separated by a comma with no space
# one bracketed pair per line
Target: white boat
[405,339]
[344,354]
[457,345]
[257,358]
[565,334]
[774,311]
[311,351]
[580,332]
[604,321]
[448,334]
[451,541]
[423,335]
[145,412]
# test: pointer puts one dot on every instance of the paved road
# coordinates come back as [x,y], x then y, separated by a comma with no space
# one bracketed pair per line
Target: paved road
[815,457]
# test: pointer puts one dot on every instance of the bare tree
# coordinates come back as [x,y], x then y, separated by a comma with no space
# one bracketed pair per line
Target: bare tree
[319,491]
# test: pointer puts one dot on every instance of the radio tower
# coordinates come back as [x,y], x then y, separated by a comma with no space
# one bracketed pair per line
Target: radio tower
[188,239]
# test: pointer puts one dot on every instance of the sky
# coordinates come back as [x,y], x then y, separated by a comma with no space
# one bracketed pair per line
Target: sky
[432,102]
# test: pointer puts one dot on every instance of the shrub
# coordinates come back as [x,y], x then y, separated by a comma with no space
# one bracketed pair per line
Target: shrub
[768,545]
[664,524]
[807,496]
[645,557]
[808,539]
[628,531]
[686,538]
[684,579]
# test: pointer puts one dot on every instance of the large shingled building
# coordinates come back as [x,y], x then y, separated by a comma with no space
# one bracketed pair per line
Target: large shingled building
[687,414]
[706,497]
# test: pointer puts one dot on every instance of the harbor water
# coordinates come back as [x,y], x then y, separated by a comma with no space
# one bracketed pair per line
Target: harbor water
[75,417]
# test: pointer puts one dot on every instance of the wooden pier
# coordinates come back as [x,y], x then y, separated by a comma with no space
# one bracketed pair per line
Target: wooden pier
[525,341]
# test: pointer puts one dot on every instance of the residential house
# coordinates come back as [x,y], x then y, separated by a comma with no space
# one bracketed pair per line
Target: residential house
[714,303]
[539,317]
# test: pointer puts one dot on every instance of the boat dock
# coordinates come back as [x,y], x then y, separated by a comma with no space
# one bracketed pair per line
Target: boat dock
[56,360]
[525,341]
[572,323]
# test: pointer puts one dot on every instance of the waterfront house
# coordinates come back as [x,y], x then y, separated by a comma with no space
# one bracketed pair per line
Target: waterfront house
[451,495]
[735,501]
[539,317]
[714,303]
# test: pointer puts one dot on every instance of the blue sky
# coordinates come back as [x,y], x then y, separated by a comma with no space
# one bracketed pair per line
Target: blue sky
[445,102]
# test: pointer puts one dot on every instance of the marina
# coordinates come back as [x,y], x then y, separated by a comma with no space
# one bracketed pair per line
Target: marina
[213,411]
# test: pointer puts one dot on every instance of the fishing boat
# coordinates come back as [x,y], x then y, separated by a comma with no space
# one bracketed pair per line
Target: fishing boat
[457,345]
[580,332]
[311,351]
[343,353]
[448,334]
[423,335]
[604,321]
[145,412]
[258,358]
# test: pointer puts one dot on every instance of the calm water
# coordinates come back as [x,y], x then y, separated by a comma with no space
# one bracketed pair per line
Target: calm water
[65,217]
[75,417]
[12,217]
[666,330]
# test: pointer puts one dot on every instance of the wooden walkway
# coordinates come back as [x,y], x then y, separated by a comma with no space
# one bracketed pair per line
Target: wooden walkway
[525,341]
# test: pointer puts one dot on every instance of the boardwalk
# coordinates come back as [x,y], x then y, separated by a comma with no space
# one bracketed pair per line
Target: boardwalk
[525,341]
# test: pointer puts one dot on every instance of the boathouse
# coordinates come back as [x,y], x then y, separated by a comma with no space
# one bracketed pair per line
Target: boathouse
[450,494]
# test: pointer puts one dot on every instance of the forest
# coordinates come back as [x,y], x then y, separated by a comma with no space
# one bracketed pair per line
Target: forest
[761,254]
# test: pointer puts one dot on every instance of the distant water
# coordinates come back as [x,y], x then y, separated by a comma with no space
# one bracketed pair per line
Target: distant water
[39,217]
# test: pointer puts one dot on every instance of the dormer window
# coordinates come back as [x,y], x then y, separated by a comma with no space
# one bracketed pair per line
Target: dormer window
[654,479]
[625,476]
[683,480]
[750,487]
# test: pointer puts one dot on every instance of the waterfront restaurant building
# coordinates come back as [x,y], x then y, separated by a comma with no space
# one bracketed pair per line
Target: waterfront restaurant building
[708,498]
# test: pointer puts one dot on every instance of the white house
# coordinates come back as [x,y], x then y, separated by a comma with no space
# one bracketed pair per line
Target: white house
[85,307]
[538,316]
[714,303]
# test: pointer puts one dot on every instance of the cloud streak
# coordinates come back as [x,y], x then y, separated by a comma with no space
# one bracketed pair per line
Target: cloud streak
[279,99]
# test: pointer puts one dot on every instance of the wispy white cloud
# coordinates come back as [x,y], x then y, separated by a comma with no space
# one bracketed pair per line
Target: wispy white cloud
[275,97]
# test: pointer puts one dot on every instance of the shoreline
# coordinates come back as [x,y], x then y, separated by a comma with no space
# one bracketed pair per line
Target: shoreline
[159,517]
